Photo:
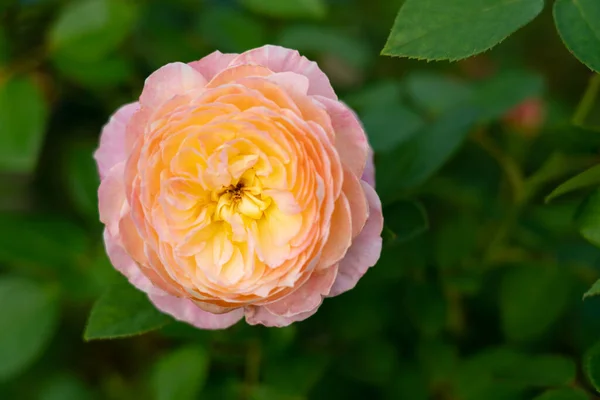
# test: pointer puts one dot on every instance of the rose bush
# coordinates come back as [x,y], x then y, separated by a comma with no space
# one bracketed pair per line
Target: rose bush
[238,186]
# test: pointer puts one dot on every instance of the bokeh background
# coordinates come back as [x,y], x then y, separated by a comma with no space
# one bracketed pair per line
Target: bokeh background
[478,293]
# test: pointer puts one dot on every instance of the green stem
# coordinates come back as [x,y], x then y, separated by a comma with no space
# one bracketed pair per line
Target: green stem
[587,101]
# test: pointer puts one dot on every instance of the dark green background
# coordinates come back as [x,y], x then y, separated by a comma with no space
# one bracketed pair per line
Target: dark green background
[478,293]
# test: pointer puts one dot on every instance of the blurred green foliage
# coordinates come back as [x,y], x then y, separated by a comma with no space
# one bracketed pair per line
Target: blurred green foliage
[478,293]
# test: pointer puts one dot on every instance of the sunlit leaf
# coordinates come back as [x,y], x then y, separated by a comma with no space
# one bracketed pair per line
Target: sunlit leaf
[123,311]
[452,30]
[578,23]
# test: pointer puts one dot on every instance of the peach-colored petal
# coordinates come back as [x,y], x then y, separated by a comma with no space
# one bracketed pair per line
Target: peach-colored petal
[124,264]
[186,311]
[307,297]
[169,81]
[340,236]
[365,249]
[112,140]
[350,139]
[280,59]
[212,64]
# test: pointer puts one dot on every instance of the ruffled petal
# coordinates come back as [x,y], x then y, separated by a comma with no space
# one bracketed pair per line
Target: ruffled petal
[213,63]
[350,139]
[168,81]
[112,148]
[280,59]
[111,198]
[262,316]
[125,264]
[369,172]
[306,298]
[365,249]
[186,311]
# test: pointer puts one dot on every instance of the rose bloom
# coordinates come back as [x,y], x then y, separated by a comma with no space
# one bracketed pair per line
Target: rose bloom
[239,186]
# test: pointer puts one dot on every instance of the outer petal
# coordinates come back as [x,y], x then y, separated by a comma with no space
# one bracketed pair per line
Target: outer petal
[369,172]
[169,81]
[124,264]
[213,63]
[111,199]
[262,316]
[280,59]
[112,140]
[365,249]
[350,139]
[186,311]
[306,298]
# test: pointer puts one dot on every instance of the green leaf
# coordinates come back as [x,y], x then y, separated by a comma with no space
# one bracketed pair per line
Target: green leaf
[587,115]
[406,220]
[426,308]
[436,93]
[90,29]
[23,114]
[98,74]
[373,362]
[288,9]
[295,374]
[506,90]
[42,240]
[123,311]
[593,291]
[321,40]
[229,30]
[64,387]
[375,95]
[181,374]
[563,394]
[588,218]
[589,177]
[591,365]
[504,373]
[413,162]
[453,30]
[81,176]
[578,23]
[29,315]
[532,298]
[390,125]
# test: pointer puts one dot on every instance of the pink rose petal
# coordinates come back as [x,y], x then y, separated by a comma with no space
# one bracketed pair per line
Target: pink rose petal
[307,297]
[112,140]
[262,316]
[186,311]
[212,64]
[365,249]
[125,264]
[169,81]
[350,140]
[280,59]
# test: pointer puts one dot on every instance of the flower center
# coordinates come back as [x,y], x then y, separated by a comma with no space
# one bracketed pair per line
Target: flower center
[244,197]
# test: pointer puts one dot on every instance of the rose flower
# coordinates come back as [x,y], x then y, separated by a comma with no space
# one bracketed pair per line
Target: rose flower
[239,186]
